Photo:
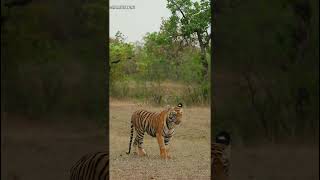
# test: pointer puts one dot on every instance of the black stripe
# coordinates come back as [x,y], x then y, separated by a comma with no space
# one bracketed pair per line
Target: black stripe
[80,171]
[167,125]
[104,169]
[148,116]
[95,167]
[89,164]
[75,168]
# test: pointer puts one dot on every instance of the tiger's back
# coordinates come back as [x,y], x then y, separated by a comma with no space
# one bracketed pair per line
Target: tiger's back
[150,122]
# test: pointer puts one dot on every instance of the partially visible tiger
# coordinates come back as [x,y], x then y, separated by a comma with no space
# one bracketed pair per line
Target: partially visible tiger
[92,166]
[157,124]
[220,156]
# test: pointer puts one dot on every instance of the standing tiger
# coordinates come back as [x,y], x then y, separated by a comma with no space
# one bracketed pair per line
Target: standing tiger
[220,156]
[92,166]
[160,125]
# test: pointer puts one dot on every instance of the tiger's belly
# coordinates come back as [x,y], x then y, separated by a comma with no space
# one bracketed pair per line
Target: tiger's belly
[151,132]
[165,133]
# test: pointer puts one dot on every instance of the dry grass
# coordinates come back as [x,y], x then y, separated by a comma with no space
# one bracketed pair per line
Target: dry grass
[190,147]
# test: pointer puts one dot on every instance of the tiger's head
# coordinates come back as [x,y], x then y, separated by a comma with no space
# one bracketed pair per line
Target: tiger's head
[223,137]
[172,116]
[178,109]
[175,114]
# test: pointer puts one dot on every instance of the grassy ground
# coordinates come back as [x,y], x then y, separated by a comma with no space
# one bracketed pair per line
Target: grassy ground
[190,147]
[162,93]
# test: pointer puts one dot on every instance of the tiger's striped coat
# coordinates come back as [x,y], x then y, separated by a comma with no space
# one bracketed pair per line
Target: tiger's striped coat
[220,157]
[92,166]
[157,124]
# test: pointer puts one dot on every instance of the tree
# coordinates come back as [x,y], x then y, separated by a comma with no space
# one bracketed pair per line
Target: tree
[189,23]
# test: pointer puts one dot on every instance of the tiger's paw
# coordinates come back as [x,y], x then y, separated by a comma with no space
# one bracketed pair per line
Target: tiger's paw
[168,154]
[164,156]
[141,152]
[163,153]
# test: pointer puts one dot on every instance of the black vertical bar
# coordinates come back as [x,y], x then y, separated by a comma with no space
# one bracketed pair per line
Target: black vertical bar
[212,102]
[106,66]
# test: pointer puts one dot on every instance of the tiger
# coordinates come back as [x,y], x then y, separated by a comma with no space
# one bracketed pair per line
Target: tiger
[160,125]
[92,166]
[220,156]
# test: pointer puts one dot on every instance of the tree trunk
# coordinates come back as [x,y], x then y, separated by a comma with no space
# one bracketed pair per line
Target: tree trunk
[203,56]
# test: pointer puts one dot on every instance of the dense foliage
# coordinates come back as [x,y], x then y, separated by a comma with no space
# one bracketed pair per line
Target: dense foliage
[266,75]
[150,71]
[52,57]
[178,53]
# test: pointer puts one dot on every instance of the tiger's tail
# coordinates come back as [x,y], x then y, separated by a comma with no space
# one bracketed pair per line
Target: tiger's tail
[131,136]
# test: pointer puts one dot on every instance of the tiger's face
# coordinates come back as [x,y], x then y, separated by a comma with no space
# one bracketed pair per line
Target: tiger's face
[175,114]
[172,117]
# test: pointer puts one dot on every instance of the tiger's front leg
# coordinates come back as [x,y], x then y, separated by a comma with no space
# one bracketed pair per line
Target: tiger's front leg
[163,152]
[166,142]
[167,150]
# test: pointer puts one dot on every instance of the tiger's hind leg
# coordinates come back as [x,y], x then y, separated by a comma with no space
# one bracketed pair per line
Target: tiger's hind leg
[138,144]
[135,147]
[141,152]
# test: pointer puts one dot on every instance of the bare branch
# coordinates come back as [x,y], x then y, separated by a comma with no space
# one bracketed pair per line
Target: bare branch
[180,10]
[208,37]
[115,62]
